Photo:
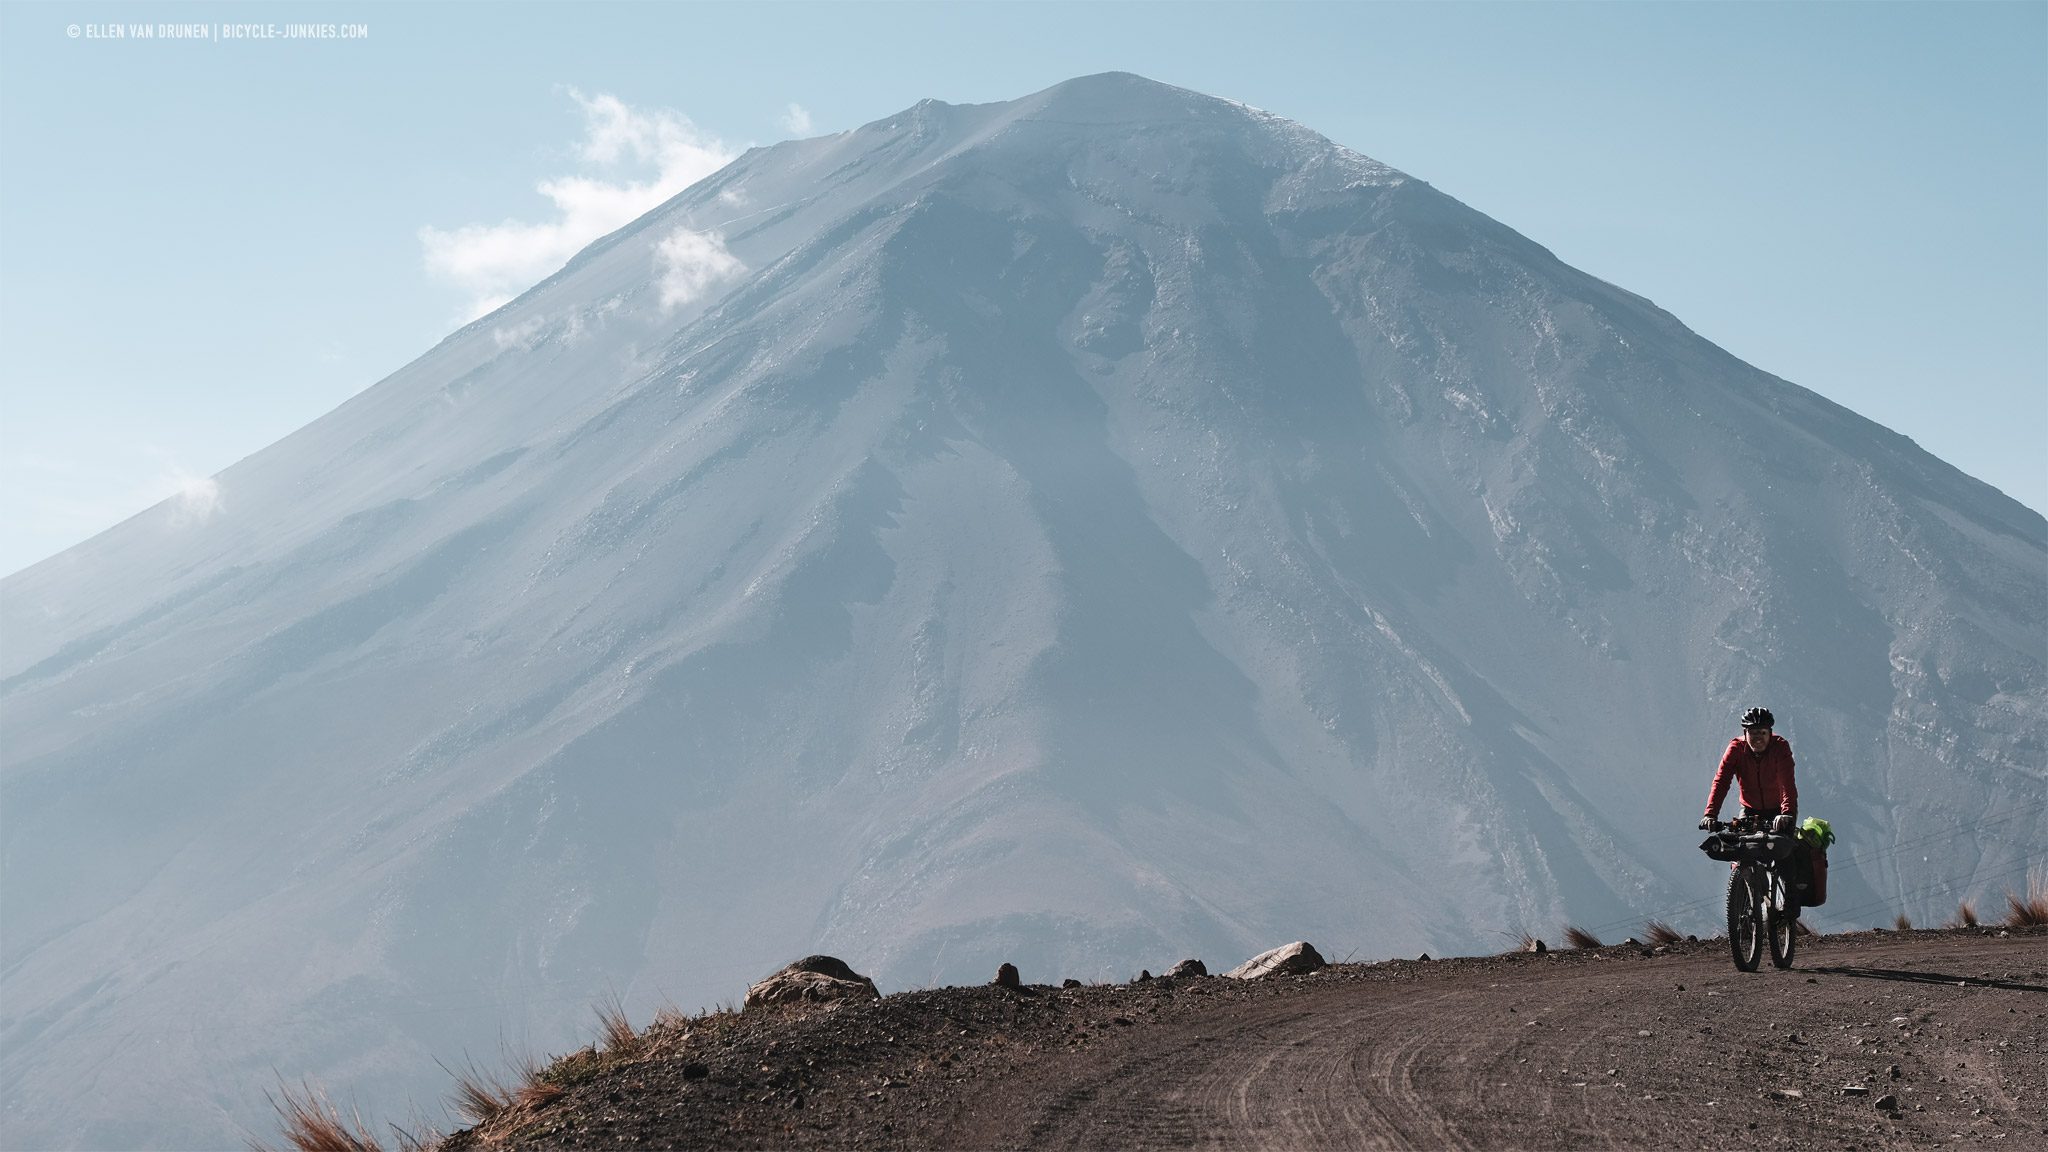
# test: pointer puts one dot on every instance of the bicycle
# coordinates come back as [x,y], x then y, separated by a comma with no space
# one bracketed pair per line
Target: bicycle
[1761,904]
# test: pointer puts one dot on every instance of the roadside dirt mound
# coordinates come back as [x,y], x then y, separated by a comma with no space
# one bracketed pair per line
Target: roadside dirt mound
[1873,1040]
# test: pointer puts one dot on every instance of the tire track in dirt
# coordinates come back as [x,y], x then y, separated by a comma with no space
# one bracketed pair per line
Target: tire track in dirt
[1674,1052]
[1600,1048]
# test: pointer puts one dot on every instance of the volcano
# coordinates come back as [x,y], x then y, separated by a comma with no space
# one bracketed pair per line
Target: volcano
[1109,526]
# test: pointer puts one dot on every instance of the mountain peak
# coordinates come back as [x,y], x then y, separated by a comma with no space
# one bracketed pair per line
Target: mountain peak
[1128,93]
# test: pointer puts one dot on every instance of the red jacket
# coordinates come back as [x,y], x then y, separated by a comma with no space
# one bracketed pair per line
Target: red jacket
[1766,777]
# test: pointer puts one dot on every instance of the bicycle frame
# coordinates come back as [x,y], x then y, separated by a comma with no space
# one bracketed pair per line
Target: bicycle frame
[1760,903]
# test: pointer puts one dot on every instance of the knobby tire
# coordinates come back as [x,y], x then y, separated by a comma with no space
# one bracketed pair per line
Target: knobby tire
[1784,930]
[1745,934]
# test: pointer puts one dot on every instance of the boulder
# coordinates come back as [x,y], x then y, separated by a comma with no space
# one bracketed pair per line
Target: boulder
[1188,968]
[812,980]
[831,966]
[1006,977]
[1293,959]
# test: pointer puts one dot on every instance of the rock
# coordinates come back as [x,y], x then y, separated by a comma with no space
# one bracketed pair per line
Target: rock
[1296,959]
[1895,1073]
[831,966]
[813,979]
[1538,947]
[1070,982]
[1006,977]
[1188,968]
[1855,1090]
[1888,1103]
[1422,959]
[1144,974]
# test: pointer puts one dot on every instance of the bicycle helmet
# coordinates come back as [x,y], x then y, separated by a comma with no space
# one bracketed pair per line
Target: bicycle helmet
[1758,718]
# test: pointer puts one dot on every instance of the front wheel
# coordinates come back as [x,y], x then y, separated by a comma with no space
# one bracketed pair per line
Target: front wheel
[1745,932]
[1783,918]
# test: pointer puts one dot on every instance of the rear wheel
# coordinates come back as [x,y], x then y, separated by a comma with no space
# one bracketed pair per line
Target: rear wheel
[1745,933]
[1783,918]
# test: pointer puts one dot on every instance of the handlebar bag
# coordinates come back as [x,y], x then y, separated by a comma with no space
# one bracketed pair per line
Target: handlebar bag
[1734,846]
[1722,847]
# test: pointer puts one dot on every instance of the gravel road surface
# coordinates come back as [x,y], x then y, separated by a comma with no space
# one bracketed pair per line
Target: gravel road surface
[1871,1040]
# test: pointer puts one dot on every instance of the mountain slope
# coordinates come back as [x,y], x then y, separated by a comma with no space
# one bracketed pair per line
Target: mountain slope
[1082,531]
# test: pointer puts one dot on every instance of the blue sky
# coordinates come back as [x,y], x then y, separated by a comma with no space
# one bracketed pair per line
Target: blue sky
[206,244]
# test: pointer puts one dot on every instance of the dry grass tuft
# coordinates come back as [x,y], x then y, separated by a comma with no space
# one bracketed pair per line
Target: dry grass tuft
[670,1017]
[537,1093]
[1902,924]
[1966,916]
[614,1032]
[1659,933]
[1578,937]
[534,1089]
[479,1098]
[313,1124]
[2030,909]
[420,1140]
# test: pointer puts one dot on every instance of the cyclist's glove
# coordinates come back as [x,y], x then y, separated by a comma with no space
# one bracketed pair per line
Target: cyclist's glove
[1782,824]
[1706,823]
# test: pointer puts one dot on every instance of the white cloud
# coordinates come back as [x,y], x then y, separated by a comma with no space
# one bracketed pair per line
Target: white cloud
[733,197]
[690,263]
[521,335]
[193,499]
[492,263]
[52,500]
[797,120]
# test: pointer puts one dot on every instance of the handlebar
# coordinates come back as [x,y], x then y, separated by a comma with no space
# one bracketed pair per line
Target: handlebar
[1744,826]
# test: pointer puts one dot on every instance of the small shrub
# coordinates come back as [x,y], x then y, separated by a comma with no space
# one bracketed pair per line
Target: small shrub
[1966,916]
[575,1068]
[1658,933]
[1578,937]
[313,1124]
[1902,924]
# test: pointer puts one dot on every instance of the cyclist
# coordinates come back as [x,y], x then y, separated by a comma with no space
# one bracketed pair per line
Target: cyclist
[1762,763]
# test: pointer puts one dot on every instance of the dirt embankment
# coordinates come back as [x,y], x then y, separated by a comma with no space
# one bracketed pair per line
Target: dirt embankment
[1872,1040]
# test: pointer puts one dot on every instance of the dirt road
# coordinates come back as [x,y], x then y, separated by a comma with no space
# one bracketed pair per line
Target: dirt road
[1669,1052]
[1608,1048]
